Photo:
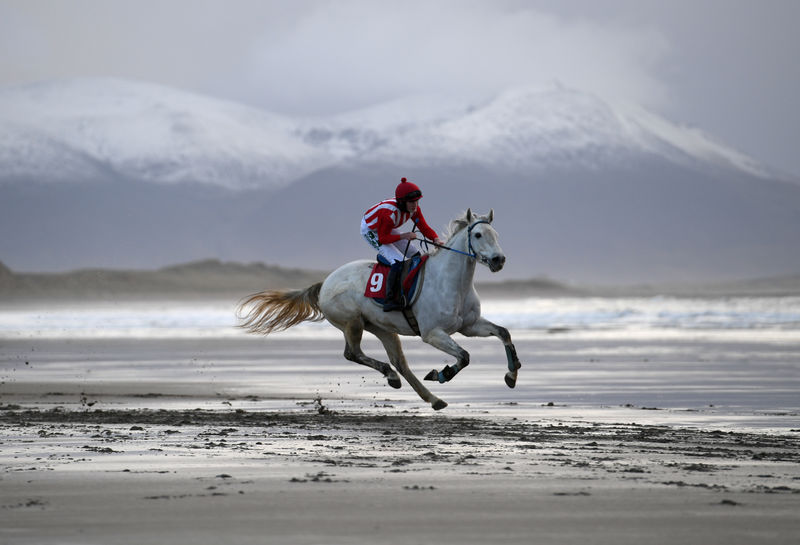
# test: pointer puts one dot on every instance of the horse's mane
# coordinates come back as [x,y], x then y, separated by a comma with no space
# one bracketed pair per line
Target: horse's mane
[453,228]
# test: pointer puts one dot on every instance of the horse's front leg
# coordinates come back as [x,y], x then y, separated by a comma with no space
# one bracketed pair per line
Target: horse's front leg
[441,340]
[484,328]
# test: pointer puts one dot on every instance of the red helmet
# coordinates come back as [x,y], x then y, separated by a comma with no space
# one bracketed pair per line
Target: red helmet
[407,192]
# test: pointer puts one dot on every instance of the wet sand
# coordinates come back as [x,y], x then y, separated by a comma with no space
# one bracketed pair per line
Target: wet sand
[247,440]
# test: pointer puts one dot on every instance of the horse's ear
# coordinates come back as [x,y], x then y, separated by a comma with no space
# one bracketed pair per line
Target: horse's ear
[469,215]
[490,218]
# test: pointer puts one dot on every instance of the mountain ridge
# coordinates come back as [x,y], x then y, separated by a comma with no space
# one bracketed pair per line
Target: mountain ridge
[214,279]
[158,134]
[210,278]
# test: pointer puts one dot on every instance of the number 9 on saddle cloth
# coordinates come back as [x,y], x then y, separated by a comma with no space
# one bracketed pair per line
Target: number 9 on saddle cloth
[395,286]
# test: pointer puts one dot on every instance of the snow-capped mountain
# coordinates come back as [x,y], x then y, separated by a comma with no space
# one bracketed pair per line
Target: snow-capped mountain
[520,129]
[109,173]
[99,128]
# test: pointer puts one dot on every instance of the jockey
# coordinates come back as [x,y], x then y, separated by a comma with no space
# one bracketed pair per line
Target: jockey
[380,226]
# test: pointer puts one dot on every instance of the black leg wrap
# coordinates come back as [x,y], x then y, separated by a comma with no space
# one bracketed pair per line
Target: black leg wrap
[513,360]
[446,374]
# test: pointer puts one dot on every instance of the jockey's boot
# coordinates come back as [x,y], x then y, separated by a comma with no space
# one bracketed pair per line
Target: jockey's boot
[394,296]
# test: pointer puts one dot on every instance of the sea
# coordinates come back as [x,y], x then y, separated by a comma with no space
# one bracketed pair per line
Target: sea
[589,315]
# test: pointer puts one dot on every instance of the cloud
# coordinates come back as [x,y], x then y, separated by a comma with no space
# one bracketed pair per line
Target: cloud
[347,53]
[184,43]
[321,56]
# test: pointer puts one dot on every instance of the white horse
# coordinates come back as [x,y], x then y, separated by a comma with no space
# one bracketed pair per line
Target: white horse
[447,304]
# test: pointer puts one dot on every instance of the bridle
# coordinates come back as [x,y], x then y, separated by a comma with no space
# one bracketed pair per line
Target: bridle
[471,252]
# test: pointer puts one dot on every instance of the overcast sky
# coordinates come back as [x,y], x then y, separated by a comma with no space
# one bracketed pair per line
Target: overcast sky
[729,67]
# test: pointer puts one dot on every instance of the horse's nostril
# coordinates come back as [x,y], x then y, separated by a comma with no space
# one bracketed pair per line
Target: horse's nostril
[497,262]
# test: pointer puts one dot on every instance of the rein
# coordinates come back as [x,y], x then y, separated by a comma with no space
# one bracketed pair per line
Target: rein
[471,252]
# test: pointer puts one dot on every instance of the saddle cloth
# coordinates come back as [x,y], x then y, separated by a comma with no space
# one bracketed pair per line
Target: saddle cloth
[410,278]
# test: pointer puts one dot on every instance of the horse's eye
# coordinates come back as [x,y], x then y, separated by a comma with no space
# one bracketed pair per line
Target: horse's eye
[477,235]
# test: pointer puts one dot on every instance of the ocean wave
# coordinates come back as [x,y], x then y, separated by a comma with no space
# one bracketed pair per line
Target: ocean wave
[210,319]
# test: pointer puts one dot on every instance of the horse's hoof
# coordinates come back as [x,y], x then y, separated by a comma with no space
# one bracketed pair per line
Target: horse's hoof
[394,382]
[433,375]
[511,379]
[438,405]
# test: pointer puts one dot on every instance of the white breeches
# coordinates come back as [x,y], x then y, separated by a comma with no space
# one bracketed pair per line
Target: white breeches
[395,251]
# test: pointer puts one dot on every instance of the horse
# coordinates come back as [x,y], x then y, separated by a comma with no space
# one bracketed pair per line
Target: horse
[447,304]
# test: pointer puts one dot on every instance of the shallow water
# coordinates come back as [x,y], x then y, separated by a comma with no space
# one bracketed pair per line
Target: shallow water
[722,363]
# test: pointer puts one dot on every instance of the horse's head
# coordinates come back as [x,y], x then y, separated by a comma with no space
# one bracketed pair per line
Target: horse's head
[483,240]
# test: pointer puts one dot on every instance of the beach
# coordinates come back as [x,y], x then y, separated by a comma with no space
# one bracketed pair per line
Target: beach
[163,423]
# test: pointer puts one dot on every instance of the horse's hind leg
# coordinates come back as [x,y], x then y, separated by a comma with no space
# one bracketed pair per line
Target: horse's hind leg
[352,351]
[391,342]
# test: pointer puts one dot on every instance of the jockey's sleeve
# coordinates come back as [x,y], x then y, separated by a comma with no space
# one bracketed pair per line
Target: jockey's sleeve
[426,230]
[384,229]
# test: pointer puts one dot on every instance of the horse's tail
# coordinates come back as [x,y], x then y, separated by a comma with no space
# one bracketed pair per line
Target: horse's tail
[274,310]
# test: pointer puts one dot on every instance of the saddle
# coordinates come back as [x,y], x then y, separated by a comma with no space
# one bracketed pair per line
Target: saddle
[410,280]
